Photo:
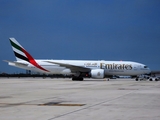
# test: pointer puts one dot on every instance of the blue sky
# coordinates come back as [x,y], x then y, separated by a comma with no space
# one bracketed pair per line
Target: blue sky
[82,29]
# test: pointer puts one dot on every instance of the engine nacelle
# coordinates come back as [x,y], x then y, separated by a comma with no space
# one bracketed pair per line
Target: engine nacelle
[97,73]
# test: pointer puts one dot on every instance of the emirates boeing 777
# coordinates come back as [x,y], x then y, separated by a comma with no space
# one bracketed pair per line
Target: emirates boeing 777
[78,69]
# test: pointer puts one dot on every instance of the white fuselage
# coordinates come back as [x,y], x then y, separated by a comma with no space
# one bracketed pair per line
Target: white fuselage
[125,68]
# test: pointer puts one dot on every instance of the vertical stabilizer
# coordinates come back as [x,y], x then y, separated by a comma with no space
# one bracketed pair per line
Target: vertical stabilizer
[18,50]
[22,55]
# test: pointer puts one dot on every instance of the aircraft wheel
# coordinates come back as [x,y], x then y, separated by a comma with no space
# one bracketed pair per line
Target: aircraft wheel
[77,79]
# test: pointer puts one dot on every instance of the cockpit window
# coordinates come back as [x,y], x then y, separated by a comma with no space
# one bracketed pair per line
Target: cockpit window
[145,67]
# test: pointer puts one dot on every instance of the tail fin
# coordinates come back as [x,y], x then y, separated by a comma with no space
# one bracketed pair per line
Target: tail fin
[22,55]
[19,51]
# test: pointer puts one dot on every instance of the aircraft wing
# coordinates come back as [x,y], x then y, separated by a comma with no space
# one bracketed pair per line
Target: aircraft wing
[16,63]
[73,68]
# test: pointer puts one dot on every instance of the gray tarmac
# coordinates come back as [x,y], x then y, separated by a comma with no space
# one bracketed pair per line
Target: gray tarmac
[64,99]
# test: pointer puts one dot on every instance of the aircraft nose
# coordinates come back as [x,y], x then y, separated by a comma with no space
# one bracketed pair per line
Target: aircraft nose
[148,71]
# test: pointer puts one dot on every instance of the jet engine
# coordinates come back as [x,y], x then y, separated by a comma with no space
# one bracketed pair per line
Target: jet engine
[97,73]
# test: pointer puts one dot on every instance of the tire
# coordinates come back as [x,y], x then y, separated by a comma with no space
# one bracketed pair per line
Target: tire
[136,79]
[77,79]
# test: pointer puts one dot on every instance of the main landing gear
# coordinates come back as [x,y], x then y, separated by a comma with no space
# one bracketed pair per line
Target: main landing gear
[77,78]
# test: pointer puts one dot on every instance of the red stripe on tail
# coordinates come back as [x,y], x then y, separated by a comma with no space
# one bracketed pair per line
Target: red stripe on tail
[32,61]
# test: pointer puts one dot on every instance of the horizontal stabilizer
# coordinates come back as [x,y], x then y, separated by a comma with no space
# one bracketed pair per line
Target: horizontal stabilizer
[15,62]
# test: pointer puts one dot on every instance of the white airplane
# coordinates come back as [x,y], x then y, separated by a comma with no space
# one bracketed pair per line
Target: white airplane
[77,68]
